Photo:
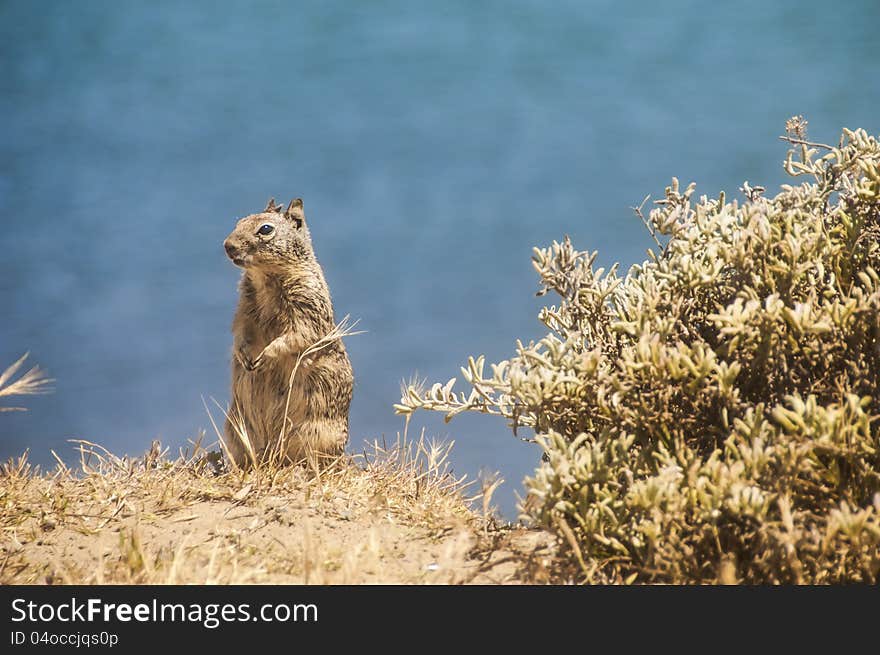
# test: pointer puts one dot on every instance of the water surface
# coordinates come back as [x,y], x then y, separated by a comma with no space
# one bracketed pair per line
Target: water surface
[434,145]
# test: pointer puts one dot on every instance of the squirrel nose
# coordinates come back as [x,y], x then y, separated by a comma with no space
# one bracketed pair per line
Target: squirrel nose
[230,248]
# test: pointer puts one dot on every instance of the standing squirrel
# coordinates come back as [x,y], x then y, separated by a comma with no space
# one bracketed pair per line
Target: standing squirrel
[284,308]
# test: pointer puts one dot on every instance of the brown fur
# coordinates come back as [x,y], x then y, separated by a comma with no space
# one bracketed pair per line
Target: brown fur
[284,307]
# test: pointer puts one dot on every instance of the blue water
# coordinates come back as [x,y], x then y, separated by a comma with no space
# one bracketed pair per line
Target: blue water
[434,145]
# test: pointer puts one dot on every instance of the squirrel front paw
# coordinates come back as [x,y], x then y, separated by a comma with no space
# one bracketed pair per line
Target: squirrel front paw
[245,360]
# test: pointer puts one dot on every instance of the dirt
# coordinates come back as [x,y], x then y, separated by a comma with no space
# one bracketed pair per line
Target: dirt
[132,531]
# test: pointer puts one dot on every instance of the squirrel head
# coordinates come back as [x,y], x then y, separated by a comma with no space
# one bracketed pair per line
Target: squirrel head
[274,238]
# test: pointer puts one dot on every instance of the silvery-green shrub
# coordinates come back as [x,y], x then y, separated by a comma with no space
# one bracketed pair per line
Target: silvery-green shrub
[713,414]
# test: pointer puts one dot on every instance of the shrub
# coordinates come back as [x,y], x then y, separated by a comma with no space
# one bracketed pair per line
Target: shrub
[711,416]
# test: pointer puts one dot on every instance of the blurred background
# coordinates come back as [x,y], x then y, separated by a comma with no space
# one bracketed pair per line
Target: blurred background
[434,145]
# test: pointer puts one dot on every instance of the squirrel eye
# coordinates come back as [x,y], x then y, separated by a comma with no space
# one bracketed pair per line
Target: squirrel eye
[266,229]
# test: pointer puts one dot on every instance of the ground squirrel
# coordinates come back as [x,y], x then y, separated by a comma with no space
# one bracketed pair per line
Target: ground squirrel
[284,308]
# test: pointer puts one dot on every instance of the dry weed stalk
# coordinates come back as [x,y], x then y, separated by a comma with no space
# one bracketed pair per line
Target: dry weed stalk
[34,381]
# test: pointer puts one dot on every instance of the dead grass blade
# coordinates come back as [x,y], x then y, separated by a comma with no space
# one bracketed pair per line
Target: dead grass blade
[345,328]
[35,381]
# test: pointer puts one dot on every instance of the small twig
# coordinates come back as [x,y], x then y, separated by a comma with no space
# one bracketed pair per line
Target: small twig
[802,142]
[119,507]
[648,226]
[566,530]
[62,467]
[106,458]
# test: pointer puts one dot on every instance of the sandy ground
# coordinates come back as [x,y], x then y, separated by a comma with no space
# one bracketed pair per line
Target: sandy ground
[275,540]
[357,527]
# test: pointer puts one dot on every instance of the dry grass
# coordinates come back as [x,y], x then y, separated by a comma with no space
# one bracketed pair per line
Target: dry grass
[32,382]
[393,514]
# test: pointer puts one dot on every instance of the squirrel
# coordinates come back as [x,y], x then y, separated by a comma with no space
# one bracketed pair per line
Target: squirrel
[284,308]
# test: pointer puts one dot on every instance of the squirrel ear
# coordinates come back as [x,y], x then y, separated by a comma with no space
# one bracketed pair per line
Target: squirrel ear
[295,211]
[271,206]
